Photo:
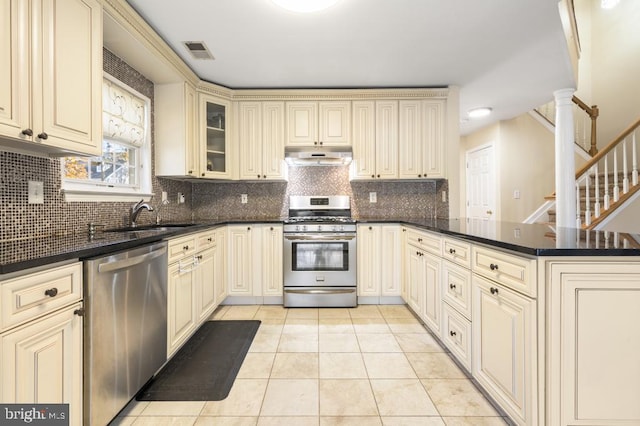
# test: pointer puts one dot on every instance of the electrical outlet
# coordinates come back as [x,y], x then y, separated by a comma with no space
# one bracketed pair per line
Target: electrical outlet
[444,196]
[36,192]
[180,198]
[373,197]
[516,194]
[243,198]
[164,198]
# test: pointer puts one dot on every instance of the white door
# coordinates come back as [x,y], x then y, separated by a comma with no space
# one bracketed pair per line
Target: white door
[481,187]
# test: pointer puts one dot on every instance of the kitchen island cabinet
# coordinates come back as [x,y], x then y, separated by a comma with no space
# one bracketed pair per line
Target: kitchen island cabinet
[51,69]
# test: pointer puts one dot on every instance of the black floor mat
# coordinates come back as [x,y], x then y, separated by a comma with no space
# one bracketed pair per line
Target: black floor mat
[205,368]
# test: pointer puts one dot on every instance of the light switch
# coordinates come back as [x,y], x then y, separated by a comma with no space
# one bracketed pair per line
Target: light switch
[373,197]
[516,194]
[36,192]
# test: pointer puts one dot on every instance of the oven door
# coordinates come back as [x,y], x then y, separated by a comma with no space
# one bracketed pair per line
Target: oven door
[320,260]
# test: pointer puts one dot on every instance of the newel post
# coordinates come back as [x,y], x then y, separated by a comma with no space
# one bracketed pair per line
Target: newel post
[565,162]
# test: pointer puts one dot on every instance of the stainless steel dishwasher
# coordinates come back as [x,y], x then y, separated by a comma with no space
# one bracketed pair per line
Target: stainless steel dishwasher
[125,329]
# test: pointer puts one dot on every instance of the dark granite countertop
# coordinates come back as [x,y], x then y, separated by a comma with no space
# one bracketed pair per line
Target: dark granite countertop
[532,239]
[529,239]
[43,250]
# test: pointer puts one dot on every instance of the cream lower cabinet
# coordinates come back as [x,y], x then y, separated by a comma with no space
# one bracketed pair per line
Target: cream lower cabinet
[192,294]
[379,267]
[594,341]
[504,348]
[220,265]
[51,76]
[41,339]
[255,264]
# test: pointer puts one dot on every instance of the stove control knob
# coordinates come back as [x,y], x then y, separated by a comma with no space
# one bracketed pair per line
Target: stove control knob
[319,228]
[304,228]
[334,228]
[342,227]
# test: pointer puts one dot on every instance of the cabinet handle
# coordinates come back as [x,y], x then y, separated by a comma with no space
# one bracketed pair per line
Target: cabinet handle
[452,251]
[493,267]
[43,136]
[452,286]
[320,142]
[493,290]
[370,228]
[190,172]
[199,257]
[419,176]
[258,176]
[373,176]
[378,176]
[202,174]
[52,292]
[419,240]
[424,175]
[27,132]
[248,228]
[79,312]
[209,239]
[315,142]
[185,248]
[452,333]
[271,228]
[264,176]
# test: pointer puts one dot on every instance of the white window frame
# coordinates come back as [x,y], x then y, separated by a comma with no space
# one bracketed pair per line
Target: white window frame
[78,191]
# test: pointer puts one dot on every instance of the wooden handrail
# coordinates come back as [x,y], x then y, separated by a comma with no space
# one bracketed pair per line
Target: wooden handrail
[608,148]
[593,113]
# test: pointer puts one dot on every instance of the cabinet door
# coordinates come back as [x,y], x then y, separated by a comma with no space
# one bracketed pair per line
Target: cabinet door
[390,260]
[67,84]
[204,275]
[594,343]
[335,123]
[504,349]
[181,313]
[250,140]
[363,165]
[216,154]
[302,124]
[15,96]
[433,139]
[273,166]
[386,139]
[220,265]
[431,298]
[368,255]
[42,362]
[415,278]
[410,140]
[240,261]
[272,280]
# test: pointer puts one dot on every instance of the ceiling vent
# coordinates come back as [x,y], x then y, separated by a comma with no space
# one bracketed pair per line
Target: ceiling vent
[198,49]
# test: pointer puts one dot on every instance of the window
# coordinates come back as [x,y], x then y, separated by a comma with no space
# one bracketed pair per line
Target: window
[123,172]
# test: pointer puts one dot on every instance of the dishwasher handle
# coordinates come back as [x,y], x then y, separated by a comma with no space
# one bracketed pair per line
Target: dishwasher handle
[126,263]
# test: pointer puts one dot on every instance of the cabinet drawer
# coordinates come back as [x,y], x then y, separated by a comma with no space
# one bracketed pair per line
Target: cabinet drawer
[457,252]
[515,272]
[425,241]
[206,240]
[456,335]
[456,290]
[33,295]
[180,247]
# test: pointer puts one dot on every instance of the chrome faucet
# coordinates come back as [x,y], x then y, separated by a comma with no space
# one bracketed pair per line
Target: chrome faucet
[135,211]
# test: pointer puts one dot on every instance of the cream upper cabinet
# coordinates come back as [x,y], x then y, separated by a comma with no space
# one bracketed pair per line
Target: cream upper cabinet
[216,150]
[51,76]
[375,140]
[421,139]
[318,123]
[261,140]
[176,144]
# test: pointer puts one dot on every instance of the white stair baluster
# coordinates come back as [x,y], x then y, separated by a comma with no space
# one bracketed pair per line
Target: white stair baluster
[606,239]
[578,218]
[634,172]
[597,194]
[606,182]
[587,211]
[616,186]
[616,240]
[625,168]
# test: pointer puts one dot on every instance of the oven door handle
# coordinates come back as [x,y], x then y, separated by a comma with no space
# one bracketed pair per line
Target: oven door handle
[318,291]
[319,237]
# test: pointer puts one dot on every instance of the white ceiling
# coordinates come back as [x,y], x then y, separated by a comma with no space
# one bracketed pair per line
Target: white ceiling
[509,55]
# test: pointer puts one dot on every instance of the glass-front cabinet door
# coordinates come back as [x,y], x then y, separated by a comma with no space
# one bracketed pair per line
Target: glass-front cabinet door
[215,138]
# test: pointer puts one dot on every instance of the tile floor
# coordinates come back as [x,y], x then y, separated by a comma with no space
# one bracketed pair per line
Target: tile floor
[370,365]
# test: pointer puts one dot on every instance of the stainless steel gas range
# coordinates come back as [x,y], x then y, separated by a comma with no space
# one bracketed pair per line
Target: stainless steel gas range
[320,252]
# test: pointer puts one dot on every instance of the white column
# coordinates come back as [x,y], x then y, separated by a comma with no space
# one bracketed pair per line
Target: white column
[565,161]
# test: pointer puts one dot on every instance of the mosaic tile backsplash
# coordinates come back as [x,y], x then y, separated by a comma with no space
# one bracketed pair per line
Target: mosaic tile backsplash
[203,201]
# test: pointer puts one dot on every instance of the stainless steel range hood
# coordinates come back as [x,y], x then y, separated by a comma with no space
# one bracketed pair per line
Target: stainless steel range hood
[321,156]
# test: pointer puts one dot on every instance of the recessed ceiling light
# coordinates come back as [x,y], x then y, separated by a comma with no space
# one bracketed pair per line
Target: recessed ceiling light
[479,112]
[609,4]
[305,6]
